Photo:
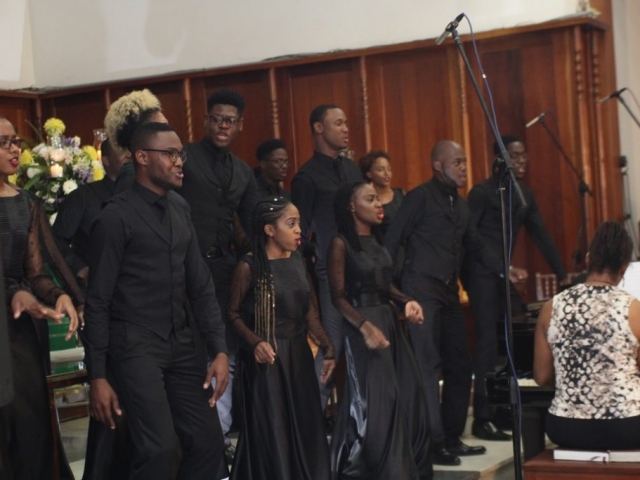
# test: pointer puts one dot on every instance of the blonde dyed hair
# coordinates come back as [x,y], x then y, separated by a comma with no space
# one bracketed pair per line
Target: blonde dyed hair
[126,110]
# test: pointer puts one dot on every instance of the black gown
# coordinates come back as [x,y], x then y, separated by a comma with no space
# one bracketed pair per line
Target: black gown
[382,430]
[26,447]
[282,432]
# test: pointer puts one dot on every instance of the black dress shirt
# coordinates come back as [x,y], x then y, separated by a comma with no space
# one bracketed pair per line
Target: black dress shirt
[266,189]
[433,223]
[484,204]
[145,268]
[216,185]
[312,191]
[126,177]
[77,213]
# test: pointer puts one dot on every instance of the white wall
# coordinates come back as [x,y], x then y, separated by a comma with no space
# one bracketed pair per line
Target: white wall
[16,66]
[88,41]
[626,14]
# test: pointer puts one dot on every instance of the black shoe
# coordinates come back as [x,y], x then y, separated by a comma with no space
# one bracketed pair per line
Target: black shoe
[229,452]
[445,457]
[456,447]
[488,431]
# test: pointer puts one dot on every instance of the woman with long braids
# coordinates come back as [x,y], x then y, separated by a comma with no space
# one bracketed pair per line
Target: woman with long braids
[382,430]
[272,305]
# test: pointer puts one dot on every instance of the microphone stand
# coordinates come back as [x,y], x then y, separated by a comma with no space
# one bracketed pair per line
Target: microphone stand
[583,189]
[509,176]
[624,104]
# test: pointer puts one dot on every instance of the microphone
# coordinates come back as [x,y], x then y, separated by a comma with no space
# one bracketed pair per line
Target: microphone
[452,26]
[536,120]
[615,94]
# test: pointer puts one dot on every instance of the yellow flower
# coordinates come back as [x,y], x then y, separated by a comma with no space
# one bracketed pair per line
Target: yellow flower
[98,171]
[12,178]
[91,152]
[54,126]
[26,158]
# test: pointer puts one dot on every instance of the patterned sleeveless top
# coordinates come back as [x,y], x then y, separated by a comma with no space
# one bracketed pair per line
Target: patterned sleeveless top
[594,354]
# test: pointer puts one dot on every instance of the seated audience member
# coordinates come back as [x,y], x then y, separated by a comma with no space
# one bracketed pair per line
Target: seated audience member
[587,345]
[273,167]
[376,168]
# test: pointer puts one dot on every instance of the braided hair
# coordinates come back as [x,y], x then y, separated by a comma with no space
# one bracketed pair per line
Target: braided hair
[610,249]
[266,212]
[344,216]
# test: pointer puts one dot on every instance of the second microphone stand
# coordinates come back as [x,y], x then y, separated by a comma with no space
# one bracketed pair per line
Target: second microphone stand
[583,189]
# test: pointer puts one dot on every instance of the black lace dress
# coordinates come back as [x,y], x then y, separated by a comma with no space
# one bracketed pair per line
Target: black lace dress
[26,450]
[382,431]
[282,434]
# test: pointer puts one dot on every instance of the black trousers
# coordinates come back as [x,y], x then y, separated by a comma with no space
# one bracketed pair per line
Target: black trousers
[160,386]
[440,345]
[593,434]
[486,298]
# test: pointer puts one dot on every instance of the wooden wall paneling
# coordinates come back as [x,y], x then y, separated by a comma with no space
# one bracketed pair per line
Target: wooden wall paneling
[303,87]
[273,96]
[414,101]
[81,112]
[20,111]
[258,126]
[172,98]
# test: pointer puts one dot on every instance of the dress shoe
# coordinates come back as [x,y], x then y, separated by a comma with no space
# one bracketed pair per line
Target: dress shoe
[488,431]
[229,452]
[443,456]
[456,447]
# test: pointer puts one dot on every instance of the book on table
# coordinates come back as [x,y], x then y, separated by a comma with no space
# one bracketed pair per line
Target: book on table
[597,455]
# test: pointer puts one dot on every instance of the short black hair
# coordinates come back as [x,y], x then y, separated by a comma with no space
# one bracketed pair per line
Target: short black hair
[368,159]
[506,140]
[107,149]
[145,132]
[319,112]
[611,248]
[226,96]
[265,148]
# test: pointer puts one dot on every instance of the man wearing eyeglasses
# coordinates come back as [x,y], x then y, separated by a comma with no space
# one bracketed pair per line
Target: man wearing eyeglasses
[149,290]
[485,292]
[274,165]
[218,185]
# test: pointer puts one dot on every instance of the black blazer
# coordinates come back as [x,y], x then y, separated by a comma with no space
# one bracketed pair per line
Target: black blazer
[146,273]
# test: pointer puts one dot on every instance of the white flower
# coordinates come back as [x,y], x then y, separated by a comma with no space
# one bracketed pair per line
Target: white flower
[57,155]
[52,218]
[69,186]
[55,187]
[32,172]
[43,151]
[68,157]
[39,147]
[76,141]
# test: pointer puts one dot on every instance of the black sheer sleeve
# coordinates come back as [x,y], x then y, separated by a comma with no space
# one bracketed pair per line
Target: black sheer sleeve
[336,269]
[397,296]
[314,324]
[41,243]
[239,289]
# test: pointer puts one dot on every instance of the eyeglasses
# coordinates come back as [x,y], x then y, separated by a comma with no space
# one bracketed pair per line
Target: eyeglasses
[220,119]
[173,155]
[281,162]
[6,142]
[522,156]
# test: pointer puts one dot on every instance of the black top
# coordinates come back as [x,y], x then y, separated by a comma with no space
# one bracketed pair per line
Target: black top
[266,189]
[145,266]
[391,208]
[126,177]
[356,277]
[77,213]
[484,204]
[296,304]
[312,191]
[433,223]
[216,185]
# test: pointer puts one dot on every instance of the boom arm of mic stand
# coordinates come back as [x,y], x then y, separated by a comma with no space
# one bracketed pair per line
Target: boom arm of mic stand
[485,109]
[624,104]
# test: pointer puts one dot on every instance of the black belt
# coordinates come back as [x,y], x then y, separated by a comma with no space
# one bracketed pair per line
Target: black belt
[369,300]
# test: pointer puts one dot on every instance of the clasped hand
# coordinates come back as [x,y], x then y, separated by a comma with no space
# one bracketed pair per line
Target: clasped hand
[24,302]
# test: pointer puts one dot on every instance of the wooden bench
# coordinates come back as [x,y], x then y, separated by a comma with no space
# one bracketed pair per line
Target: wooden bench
[544,467]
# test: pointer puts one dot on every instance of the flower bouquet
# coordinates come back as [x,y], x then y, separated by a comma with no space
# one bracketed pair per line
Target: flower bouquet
[57,167]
